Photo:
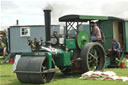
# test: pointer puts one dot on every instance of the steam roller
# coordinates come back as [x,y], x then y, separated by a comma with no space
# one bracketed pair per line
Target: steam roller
[70,53]
[33,69]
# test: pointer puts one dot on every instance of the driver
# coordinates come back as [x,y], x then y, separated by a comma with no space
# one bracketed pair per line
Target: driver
[95,34]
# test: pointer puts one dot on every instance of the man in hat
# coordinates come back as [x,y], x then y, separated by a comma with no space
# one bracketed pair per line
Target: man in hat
[95,34]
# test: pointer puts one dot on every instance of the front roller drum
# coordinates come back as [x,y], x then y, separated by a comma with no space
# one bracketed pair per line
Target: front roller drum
[34,70]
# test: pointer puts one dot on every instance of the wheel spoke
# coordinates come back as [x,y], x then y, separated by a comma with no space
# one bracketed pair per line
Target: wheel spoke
[93,62]
[90,61]
[92,55]
[95,54]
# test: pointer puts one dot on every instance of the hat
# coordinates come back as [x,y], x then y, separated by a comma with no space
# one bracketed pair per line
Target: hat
[114,40]
[92,22]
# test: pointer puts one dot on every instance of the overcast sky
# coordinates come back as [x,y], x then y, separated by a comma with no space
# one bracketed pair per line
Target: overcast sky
[29,12]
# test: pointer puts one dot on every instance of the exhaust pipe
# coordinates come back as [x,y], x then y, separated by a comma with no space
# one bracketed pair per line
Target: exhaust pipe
[47,18]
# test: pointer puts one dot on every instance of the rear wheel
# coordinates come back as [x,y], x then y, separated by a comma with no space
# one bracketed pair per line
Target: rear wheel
[93,57]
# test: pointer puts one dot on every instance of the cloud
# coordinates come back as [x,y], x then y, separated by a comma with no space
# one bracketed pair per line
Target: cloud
[7,5]
[31,11]
[119,9]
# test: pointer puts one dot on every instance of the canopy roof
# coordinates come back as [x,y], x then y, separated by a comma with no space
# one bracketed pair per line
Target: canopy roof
[84,18]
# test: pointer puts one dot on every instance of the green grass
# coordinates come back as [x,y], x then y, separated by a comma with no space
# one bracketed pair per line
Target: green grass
[1,59]
[7,77]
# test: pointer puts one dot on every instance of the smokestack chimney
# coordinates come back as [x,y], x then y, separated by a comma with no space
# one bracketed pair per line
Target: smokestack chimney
[17,22]
[47,18]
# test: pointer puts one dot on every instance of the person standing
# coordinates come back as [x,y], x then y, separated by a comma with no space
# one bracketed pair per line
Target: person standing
[1,48]
[4,44]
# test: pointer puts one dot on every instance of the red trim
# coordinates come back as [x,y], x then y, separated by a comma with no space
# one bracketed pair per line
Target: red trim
[99,39]
[105,74]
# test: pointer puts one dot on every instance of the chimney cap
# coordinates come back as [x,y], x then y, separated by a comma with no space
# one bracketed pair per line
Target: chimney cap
[47,10]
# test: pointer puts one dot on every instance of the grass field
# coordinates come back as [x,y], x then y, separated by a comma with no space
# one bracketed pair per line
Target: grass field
[7,77]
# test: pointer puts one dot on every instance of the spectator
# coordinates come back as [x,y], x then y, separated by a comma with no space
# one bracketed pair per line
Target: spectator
[1,49]
[114,51]
[3,46]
